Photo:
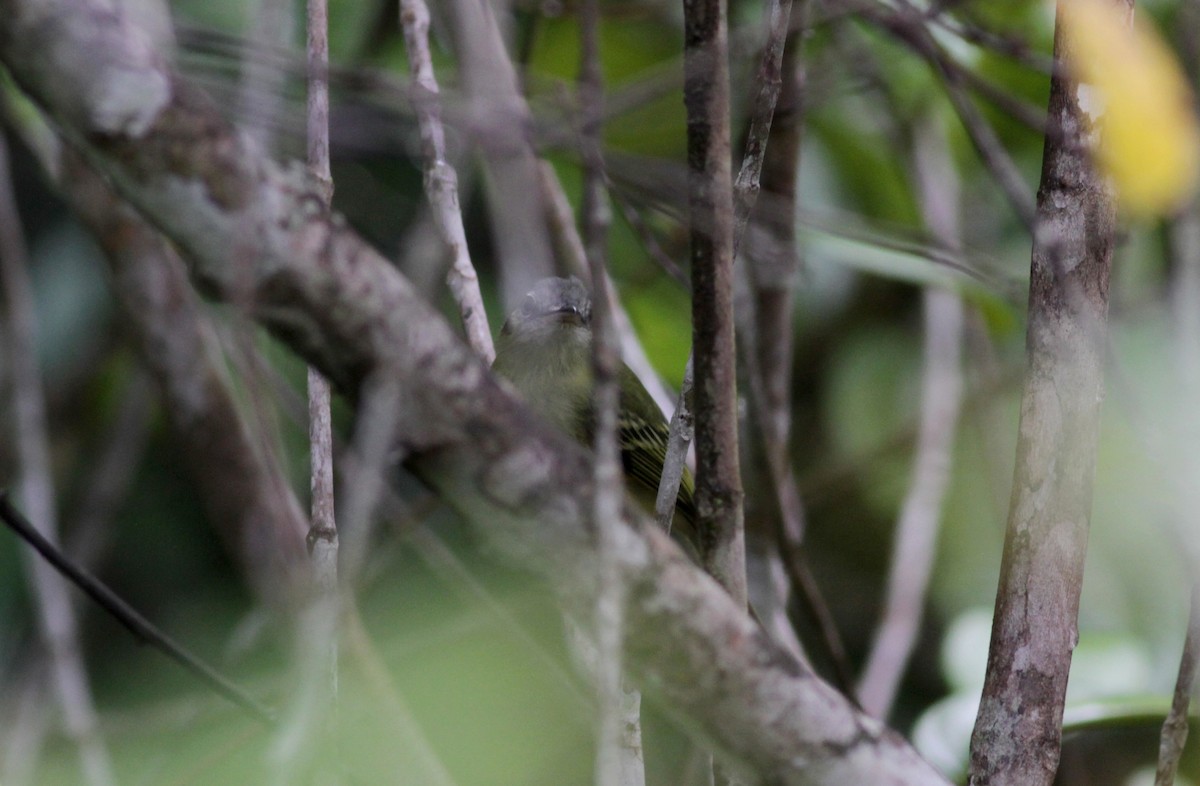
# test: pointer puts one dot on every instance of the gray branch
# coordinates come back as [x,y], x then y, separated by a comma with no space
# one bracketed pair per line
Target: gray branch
[1018,731]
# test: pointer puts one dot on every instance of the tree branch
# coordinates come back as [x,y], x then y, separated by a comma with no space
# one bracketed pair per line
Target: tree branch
[56,618]
[441,179]
[125,614]
[1018,734]
[710,187]
[941,395]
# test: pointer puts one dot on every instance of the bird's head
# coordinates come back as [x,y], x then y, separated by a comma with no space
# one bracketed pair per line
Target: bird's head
[557,312]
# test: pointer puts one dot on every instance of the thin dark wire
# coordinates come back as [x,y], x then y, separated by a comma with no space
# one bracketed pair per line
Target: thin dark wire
[138,625]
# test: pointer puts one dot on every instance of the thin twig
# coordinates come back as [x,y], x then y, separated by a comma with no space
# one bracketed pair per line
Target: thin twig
[678,438]
[769,81]
[105,488]
[322,534]
[633,217]
[1175,727]
[125,614]
[311,715]
[765,330]
[363,488]
[941,398]
[57,620]
[617,763]
[441,179]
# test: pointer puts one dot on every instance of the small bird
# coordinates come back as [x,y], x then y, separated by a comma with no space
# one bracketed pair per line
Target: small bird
[545,351]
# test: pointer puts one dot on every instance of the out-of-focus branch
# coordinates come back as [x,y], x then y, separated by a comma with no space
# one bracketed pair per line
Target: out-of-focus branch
[1184,252]
[500,123]
[337,302]
[242,485]
[55,615]
[134,622]
[1175,727]
[771,261]
[103,491]
[1018,735]
[441,179]
[618,755]
[309,721]
[941,394]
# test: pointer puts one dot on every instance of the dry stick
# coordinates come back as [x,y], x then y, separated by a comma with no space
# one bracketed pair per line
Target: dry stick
[241,483]
[125,614]
[1175,727]
[941,398]
[312,714]
[56,618]
[619,743]
[679,436]
[770,82]
[441,179]
[322,534]
[363,488]
[1017,735]
[704,66]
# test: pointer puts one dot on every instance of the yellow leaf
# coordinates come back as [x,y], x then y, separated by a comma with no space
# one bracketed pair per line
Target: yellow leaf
[1134,92]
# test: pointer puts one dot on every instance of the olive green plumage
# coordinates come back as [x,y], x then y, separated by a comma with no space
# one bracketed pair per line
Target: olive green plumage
[545,351]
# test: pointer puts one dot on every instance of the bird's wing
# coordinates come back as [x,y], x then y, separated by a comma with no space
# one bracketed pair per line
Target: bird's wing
[644,443]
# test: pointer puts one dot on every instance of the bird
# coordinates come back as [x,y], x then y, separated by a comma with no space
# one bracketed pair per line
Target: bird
[545,351]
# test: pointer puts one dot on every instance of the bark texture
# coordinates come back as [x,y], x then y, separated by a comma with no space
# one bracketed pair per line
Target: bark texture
[710,207]
[1018,732]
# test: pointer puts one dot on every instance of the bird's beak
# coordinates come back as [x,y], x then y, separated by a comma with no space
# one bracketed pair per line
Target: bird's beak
[570,315]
